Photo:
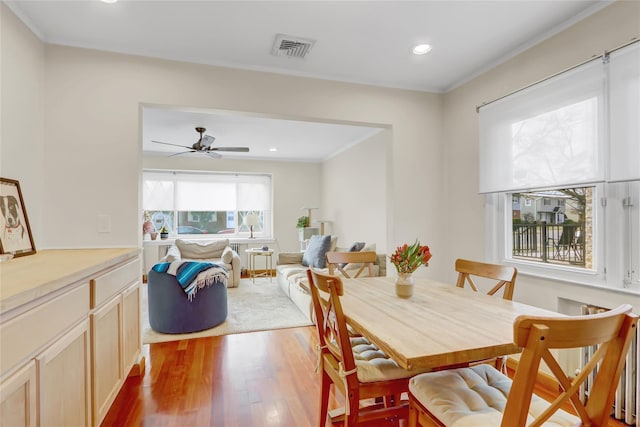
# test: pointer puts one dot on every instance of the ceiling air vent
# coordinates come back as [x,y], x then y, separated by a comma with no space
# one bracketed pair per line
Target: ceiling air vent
[293,47]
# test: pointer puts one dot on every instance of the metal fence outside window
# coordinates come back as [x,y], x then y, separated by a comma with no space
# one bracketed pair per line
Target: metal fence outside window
[550,243]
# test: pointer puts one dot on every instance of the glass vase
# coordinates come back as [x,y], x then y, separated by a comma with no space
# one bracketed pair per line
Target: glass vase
[404,285]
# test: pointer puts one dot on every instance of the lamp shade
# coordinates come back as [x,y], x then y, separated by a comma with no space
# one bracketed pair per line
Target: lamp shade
[252,220]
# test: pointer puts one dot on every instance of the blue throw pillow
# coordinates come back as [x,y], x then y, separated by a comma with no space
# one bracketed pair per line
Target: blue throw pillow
[316,251]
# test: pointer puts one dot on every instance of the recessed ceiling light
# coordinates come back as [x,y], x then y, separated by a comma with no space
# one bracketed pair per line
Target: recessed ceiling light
[108,1]
[273,149]
[421,49]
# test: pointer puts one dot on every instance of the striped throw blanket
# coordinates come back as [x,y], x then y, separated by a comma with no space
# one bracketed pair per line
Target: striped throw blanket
[193,275]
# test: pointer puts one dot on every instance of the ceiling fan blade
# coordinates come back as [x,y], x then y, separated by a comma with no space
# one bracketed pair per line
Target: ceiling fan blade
[212,155]
[175,145]
[183,152]
[235,149]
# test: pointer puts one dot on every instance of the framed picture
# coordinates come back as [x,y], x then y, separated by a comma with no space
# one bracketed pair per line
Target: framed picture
[15,234]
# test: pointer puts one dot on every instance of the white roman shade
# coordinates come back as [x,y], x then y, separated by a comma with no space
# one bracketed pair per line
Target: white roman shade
[205,191]
[157,191]
[254,193]
[205,196]
[624,101]
[551,134]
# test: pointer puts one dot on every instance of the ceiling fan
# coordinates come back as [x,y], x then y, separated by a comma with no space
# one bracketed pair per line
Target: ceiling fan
[205,146]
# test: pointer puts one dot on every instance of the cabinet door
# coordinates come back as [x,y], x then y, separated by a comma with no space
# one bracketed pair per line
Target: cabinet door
[106,340]
[132,342]
[18,398]
[65,388]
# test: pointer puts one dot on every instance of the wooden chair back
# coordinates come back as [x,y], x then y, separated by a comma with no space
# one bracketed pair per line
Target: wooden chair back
[503,274]
[611,331]
[337,260]
[331,325]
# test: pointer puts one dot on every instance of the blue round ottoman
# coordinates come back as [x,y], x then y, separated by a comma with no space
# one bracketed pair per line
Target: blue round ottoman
[171,312]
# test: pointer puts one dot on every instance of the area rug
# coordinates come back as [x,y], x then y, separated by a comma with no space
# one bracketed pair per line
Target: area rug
[251,307]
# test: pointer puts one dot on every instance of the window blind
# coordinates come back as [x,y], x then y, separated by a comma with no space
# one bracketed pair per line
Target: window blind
[157,192]
[548,135]
[191,191]
[624,101]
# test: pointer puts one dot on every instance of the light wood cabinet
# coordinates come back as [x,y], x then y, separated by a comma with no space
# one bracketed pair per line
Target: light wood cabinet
[107,361]
[64,380]
[131,327]
[115,333]
[18,398]
[69,335]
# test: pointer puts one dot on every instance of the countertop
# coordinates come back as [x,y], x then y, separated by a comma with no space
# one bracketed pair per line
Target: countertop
[24,279]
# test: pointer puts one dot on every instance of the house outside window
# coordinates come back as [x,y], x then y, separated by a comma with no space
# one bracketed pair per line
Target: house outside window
[198,203]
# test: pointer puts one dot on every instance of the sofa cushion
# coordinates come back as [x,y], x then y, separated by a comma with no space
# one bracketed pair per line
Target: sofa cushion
[316,251]
[334,243]
[200,250]
[173,254]
[227,255]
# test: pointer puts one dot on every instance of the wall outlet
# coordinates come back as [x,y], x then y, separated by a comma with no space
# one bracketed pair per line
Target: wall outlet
[104,223]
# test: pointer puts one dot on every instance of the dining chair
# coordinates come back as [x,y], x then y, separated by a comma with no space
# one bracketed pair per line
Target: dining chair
[354,365]
[505,275]
[483,396]
[358,261]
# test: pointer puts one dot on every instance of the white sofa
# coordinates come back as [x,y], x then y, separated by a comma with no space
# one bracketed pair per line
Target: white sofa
[291,276]
[217,251]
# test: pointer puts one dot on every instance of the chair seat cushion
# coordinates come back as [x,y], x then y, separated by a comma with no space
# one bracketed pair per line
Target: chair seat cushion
[475,397]
[201,250]
[373,364]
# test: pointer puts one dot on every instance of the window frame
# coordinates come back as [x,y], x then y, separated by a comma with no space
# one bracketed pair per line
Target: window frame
[616,250]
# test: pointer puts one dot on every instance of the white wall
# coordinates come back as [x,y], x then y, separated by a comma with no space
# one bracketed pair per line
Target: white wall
[93,154]
[22,144]
[294,185]
[87,160]
[607,29]
[354,192]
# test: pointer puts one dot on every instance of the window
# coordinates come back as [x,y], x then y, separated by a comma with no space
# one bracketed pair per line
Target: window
[195,203]
[555,236]
[568,147]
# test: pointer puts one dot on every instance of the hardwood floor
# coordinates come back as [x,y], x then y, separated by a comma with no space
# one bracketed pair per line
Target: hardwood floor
[254,379]
[243,380]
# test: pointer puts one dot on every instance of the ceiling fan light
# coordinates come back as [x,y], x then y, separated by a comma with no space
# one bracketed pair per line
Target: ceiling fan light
[421,49]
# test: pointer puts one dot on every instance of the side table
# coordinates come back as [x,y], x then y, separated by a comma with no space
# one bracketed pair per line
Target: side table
[251,256]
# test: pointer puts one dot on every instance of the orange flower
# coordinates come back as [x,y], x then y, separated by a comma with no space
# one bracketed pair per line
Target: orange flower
[407,258]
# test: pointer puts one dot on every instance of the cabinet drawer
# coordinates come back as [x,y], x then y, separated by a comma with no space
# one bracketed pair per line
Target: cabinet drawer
[26,333]
[109,284]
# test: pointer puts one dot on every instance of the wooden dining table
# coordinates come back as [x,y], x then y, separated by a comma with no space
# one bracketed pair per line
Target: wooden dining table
[440,325]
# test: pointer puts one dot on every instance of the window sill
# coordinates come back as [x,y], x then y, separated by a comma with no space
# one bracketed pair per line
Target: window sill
[589,279]
[208,237]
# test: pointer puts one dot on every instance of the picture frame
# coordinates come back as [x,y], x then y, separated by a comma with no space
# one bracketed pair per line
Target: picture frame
[15,232]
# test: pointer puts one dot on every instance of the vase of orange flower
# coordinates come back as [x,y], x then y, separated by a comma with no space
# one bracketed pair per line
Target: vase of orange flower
[407,259]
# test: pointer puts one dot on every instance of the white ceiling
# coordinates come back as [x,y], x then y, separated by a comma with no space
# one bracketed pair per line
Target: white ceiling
[366,42]
[294,140]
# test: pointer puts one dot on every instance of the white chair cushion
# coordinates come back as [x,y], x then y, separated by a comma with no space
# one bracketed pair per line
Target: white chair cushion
[200,250]
[475,397]
[373,364]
